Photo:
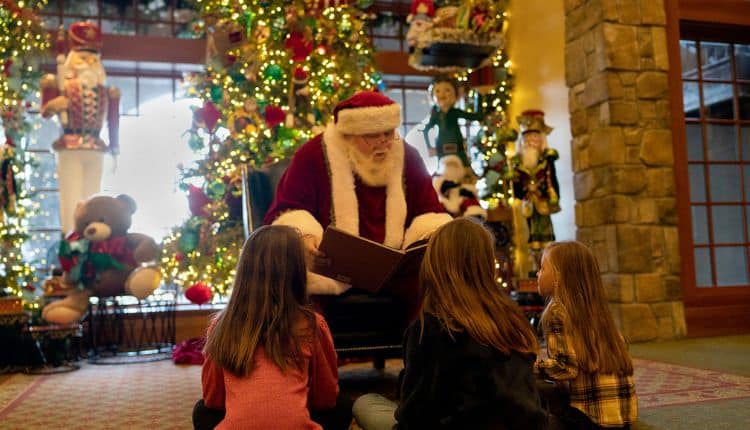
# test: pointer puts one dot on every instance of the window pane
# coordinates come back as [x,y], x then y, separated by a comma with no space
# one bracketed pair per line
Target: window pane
[691,99]
[728,224]
[47,215]
[41,248]
[153,88]
[745,132]
[702,267]
[381,44]
[43,175]
[417,105]
[722,142]
[689,57]
[725,183]
[742,61]
[81,7]
[700,225]
[49,130]
[731,266]
[743,94]
[163,29]
[157,10]
[396,95]
[118,9]
[694,142]
[126,84]
[718,101]
[747,184]
[716,61]
[697,183]
[118,27]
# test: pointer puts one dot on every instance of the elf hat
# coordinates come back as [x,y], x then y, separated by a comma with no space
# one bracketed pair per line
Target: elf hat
[367,112]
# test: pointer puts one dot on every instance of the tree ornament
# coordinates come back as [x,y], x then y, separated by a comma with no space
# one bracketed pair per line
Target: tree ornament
[216,94]
[217,189]
[199,293]
[197,201]
[195,142]
[188,241]
[273,72]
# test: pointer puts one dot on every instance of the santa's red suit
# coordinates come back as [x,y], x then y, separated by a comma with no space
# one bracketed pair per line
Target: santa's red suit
[319,189]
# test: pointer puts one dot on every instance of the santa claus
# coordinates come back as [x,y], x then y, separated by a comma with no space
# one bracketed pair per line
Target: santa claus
[359,176]
[80,99]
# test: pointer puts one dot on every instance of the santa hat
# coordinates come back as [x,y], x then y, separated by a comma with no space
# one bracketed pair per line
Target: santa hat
[367,112]
[85,36]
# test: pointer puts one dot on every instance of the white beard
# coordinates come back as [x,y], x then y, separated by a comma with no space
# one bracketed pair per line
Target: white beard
[530,158]
[88,76]
[372,173]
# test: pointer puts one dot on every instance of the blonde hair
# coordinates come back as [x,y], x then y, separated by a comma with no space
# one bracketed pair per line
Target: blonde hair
[268,305]
[458,278]
[578,289]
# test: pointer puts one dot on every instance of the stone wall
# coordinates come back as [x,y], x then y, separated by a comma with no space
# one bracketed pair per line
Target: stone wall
[616,70]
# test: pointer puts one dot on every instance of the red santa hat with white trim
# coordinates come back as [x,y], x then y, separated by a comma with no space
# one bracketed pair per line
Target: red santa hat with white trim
[367,112]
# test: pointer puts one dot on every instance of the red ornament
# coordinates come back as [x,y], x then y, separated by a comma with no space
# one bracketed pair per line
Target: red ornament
[197,201]
[179,257]
[199,293]
[208,115]
[299,45]
[274,116]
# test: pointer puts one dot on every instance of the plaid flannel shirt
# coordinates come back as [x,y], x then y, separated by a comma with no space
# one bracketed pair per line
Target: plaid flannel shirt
[608,400]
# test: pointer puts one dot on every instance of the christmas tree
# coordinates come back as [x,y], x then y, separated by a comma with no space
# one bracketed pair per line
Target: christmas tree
[274,73]
[23,43]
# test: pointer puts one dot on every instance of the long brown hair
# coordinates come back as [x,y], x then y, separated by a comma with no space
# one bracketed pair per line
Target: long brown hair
[579,290]
[267,305]
[458,277]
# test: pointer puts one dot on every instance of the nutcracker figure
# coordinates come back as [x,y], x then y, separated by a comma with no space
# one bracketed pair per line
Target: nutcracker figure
[78,96]
[535,179]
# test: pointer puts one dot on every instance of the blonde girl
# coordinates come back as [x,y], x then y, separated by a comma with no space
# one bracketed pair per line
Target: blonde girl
[270,361]
[587,357]
[469,357]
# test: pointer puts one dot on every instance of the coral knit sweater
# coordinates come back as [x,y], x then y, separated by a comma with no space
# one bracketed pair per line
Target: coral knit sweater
[270,398]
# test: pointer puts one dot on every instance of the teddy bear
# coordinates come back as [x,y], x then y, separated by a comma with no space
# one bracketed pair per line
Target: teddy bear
[456,190]
[100,258]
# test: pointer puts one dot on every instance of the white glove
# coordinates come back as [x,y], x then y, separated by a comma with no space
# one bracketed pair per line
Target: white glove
[319,284]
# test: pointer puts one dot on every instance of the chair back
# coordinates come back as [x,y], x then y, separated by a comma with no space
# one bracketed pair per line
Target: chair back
[258,191]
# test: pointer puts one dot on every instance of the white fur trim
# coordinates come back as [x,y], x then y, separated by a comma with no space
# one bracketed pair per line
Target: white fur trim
[302,220]
[372,119]
[344,203]
[319,284]
[423,225]
[476,211]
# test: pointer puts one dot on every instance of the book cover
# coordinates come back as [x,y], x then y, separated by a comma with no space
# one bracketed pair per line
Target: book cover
[363,263]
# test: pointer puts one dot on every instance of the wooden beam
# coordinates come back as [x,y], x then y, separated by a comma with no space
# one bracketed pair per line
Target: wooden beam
[151,48]
[736,12]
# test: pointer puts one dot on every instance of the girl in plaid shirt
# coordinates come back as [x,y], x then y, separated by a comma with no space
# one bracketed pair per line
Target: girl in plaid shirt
[588,361]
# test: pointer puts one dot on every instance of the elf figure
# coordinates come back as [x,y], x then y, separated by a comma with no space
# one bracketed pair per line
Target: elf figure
[78,96]
[445,116]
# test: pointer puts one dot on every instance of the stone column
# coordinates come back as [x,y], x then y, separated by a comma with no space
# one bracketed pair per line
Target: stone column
[616,70]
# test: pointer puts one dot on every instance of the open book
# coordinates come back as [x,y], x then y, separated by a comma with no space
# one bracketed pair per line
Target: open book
[363,263]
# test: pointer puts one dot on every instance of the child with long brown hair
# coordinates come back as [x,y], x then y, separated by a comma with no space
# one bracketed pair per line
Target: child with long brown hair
[588,358]
[469,357]
[270,361]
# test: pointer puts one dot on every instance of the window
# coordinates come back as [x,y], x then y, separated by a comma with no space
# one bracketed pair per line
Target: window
[716,99]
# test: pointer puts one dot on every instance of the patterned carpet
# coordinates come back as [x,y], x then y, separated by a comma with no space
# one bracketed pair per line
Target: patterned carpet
[160,395]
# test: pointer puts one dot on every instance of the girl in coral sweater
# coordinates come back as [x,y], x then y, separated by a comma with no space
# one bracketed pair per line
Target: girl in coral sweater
[270,361]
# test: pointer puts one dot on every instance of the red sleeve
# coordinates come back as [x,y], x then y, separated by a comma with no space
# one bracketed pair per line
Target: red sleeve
[212,379]
[324,376]
[298,187]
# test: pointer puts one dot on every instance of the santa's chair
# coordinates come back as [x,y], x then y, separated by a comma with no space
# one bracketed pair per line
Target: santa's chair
[363,325]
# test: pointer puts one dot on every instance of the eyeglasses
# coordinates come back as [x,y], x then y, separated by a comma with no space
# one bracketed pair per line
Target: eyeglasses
[374,138]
